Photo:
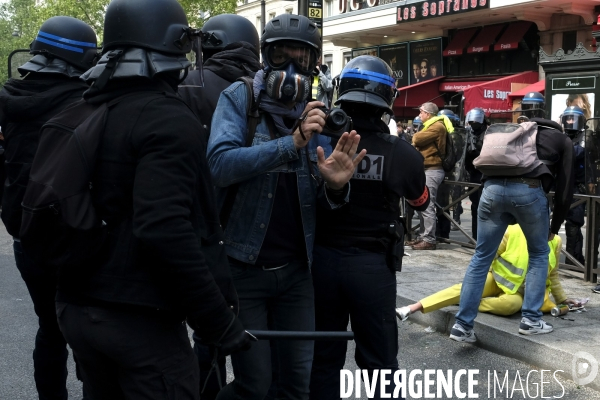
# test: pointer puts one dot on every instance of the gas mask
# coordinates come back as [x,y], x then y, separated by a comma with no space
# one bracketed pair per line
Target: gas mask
[288,84]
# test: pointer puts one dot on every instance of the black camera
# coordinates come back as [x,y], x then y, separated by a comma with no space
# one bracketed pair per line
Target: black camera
[336,122]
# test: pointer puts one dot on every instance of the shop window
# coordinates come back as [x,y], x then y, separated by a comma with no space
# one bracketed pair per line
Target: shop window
[569,41]
[347,57]
[328,60]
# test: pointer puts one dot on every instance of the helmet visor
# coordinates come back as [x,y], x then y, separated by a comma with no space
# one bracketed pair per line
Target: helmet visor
[572,122]
[281,54]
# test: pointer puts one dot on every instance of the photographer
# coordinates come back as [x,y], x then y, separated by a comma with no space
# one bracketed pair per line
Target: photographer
[325,88]
[359,246]
[277,179]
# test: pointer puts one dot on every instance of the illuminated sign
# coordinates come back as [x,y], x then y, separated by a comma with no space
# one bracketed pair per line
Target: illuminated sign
[441,8]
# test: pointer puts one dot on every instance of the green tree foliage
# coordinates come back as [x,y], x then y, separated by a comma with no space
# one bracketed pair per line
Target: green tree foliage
[23,19]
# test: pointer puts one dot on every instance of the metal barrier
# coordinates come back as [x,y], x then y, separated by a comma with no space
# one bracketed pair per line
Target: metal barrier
[592,203]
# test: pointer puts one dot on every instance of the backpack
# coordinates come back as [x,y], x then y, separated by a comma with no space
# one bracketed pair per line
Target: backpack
[60,225]
[451,156]
[509,150]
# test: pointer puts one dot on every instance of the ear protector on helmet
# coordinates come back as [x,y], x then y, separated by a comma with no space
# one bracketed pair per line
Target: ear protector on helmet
[288,84]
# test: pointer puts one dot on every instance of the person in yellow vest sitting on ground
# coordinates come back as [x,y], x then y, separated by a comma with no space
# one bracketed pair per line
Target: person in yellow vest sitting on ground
[504,286]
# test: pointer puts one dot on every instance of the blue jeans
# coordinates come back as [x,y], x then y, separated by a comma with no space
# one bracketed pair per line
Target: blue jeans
[281,300]
[505,203]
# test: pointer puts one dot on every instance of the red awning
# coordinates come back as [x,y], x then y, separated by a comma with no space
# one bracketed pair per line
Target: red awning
[492,96]
[456,86]
[485,38]
[512,36]
[412,96]
[536,87]
[459,42]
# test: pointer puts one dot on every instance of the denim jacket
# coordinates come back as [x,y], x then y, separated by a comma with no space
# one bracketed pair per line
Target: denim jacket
[256,169]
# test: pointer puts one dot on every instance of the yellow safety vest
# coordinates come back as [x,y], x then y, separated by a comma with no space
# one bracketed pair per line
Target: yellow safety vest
[509,268]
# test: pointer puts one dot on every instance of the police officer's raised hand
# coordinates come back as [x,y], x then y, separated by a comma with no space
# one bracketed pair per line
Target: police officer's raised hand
[339,167]
[311,122]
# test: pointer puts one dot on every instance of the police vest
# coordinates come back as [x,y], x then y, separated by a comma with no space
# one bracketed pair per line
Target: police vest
[509,269]
[365,221]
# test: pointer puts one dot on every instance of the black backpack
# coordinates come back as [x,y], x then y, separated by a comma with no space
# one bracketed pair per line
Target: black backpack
[60,225]
[450,156]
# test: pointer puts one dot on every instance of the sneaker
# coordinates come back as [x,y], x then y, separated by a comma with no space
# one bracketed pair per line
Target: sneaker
[423,245]
[529,327]
[402,313]
[460,334]
[413,242]
[596,289]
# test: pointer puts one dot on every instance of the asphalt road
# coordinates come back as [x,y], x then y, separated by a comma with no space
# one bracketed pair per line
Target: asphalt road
[419,350]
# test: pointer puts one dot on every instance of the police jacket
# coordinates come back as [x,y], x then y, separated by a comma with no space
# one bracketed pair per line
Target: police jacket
[221,70]
[152,187]
[392,169]
[26,105]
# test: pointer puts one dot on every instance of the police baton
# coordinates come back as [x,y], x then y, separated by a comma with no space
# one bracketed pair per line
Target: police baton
[302,335]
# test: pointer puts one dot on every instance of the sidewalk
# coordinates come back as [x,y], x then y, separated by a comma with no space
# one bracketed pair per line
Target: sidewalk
[426,272]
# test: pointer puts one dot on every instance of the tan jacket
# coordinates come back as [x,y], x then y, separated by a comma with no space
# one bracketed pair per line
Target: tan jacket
[424,142]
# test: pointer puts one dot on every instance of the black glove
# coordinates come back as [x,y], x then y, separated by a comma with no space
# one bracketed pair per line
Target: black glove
[233,339]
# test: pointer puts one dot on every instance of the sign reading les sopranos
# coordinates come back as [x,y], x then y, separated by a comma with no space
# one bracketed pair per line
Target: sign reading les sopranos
[432,9]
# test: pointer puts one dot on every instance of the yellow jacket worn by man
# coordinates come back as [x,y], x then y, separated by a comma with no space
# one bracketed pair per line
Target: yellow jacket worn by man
[431,138]
[504,286]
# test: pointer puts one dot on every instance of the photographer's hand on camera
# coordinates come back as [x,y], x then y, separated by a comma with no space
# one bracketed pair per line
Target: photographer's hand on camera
[311,122]
[339,167]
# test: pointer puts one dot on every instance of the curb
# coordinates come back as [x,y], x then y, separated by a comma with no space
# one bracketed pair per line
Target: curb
[538,351]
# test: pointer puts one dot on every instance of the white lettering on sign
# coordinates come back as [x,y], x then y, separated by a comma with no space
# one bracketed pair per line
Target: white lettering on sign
[500,94]
[451,51]
[572,84]
[506,46]
[370,168]
[477,49]
[488,94]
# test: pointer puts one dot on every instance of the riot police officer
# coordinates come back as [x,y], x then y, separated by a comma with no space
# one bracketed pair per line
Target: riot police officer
[573,122]
[230,49]
[163,261]
[359,245]
[478,124]
[51,83]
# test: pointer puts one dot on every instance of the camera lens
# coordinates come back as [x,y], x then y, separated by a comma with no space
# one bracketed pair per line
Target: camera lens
[337,119]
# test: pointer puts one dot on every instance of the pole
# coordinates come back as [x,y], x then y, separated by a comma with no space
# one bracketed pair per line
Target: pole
[303,7]
[303,335]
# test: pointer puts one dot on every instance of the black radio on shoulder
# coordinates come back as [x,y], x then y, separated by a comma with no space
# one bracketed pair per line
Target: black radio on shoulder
[336,122]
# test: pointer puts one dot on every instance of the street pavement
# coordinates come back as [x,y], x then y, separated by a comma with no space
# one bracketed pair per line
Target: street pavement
[576,336]
[423,338]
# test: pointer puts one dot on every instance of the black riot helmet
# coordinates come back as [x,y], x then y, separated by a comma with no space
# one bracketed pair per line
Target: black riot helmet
[369,80]
[533,105]
[296,32]
[451,116]
[68,39]
[224,29]
[573,121]
[159,25]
